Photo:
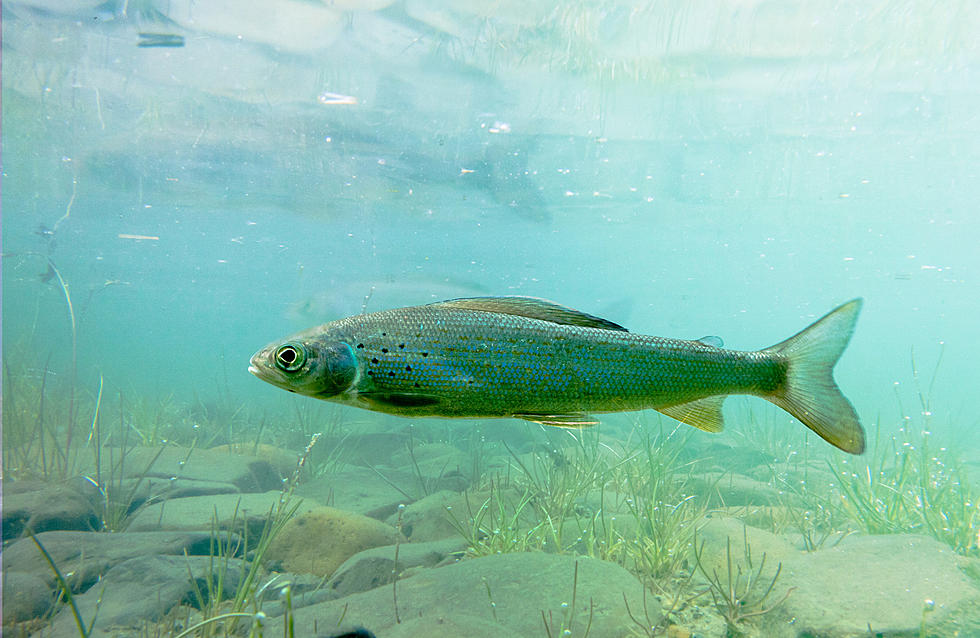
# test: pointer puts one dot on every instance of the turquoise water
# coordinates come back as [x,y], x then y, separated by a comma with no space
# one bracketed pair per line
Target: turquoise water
[731,168]
[761,169]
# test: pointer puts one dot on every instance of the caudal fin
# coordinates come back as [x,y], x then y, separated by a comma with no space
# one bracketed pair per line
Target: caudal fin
[809,392]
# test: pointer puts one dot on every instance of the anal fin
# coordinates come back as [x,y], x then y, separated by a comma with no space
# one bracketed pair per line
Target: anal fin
[704,414]
[574,420]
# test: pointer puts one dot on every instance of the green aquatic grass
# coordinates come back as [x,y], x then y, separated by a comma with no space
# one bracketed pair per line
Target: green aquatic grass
[38,421]
[497,525]
[83,629]
[628,503]
[659,498]
[742,591]
[909,484]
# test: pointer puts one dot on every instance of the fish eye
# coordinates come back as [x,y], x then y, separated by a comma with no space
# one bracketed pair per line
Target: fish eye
[290,357]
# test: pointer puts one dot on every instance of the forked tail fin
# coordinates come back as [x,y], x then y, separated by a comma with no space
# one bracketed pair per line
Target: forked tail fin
[809,392]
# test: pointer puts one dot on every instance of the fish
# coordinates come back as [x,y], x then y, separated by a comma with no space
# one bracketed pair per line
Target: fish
[533,359]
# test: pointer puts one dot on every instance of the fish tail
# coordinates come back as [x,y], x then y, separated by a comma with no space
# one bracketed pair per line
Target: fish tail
[808,391]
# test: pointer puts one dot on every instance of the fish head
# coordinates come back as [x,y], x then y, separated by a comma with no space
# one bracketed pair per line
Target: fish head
[311,366]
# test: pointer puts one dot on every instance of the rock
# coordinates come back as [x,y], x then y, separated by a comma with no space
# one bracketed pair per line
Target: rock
[44,506]
[144,589]
[436,465]
[500,595]
[25,597]
[197,513]
[89,555]
[140,491]
[882,582]
[247,473]
[375,567]
[728,489]
[320,540]
[373,493]
[428,519]
[284,461]
[369,449]
[716,533]
[726,456]
[450,625]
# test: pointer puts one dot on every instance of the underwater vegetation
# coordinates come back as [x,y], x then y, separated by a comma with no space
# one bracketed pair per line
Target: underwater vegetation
[632,492]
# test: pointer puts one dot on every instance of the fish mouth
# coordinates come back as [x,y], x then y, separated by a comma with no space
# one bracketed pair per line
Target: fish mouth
[254,367]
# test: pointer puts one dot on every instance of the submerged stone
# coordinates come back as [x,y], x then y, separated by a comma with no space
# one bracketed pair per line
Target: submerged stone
[499,595]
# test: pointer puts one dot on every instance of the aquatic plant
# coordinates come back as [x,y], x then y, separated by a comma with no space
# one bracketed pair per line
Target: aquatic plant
[680,599]
[38,434]
[558,481]
[498,525]
[741,592]
[83,629]
[226,545]
[659,498]
[907,485]
[567,619]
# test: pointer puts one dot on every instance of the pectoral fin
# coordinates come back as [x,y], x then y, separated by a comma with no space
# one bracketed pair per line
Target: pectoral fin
[399,399]
[577,420]
[704,414]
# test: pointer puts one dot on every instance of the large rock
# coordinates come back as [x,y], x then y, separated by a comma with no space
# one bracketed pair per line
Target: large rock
[377,566]
[172,463]
[43,506]
[229,511]
[500,595]
[888,583]
[89,555]
[320,540]
[374,493]
[428,519]
[728,489]
[25,597]
[144,589]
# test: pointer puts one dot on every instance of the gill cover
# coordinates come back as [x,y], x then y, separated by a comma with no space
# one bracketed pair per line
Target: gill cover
[338,368]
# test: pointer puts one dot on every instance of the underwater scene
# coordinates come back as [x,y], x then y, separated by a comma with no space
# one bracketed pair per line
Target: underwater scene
[405,318]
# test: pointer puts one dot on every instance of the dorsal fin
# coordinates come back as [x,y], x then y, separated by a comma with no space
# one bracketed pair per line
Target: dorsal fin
[532,308]
[713,341]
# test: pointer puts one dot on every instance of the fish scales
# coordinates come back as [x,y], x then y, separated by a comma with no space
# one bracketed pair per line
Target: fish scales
[532,359]
[492,365]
